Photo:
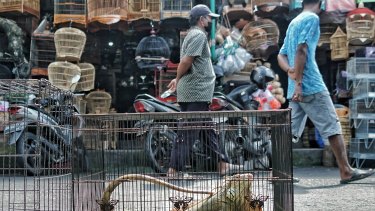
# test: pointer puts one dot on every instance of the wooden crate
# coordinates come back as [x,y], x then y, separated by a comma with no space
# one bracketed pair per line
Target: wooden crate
[31,7]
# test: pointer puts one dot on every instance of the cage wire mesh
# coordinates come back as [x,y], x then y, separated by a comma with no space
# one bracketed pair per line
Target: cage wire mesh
[176,8]
[66,11]
[36,146]
[133,177]
[108,11]
[23,6]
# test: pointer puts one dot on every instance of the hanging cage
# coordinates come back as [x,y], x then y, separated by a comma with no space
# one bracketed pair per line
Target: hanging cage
[107,12]
[98,102]
[360,26]
[69,43]
[64,75]
[263,8]
[237,13]
[258,36]
[21,6]
[339,45]
[87,80]
[326,31]
[152,51]
[176,8]
[138,9]
[66,11]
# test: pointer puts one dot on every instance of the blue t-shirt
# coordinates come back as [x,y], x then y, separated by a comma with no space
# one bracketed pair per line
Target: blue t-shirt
[304,29]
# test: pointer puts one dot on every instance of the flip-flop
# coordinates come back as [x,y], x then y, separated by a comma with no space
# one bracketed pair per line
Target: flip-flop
[358,175]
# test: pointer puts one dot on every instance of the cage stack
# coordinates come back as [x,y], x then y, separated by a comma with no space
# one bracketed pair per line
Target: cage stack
[70,11]
[361,79]
[106,12]
[339,45]
[98,102]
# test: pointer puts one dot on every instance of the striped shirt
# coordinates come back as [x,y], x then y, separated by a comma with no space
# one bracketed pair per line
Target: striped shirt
[196,85]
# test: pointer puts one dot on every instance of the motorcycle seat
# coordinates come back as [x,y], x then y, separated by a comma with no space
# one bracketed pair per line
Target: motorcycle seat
[155,100]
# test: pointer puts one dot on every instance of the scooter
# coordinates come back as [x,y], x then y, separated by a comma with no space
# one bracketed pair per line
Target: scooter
[45,139]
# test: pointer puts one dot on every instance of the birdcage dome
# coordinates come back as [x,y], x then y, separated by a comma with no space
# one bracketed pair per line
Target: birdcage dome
[152,51]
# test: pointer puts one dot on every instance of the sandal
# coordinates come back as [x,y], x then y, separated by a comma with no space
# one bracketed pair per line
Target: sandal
[358,175]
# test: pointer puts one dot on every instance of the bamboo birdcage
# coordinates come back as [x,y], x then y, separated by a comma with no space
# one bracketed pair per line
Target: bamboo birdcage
[138,9]
[87,80]
[69,43]
[339,45]
[42,52]
[22,6]
[326,31]
[176,8]
[70,11]
[98,102]
[269,5]
[63,75]
[107,11]
[360,26]
[257,34]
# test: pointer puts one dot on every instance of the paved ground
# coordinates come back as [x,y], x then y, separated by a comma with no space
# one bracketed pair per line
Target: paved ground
[319,189]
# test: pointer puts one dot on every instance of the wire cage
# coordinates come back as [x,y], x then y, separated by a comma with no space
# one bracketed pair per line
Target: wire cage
[132,177]
[138,9]
[70,11]
[34,176]
[176,8]
[98,102]
[42,53]
[326,31]
[69,43]
[360,26]
[236,14]
[259,34]
[87,80]
[339,45]
[64,75]
[22,6]
[107,12]
[152,51]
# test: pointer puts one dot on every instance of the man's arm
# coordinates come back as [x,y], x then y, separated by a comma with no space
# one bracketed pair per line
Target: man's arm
[182,69]
[299,62]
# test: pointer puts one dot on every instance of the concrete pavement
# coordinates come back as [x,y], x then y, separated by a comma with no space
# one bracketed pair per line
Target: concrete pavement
[319,189]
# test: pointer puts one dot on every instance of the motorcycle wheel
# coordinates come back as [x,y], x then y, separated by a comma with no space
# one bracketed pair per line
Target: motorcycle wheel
[229,147]
[28,148]
[159,144]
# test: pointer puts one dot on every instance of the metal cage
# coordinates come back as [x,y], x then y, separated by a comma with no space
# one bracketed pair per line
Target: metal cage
[66,11]
[34,176]
[22,6]
[132,177]
[107,12]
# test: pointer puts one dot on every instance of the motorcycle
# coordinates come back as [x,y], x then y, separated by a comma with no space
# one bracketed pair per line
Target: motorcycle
[241,146]
[43,135]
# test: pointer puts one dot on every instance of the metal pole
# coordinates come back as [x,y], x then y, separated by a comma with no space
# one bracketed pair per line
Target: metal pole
[213,30]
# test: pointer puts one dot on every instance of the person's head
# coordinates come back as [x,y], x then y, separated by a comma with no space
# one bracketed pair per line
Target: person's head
[200,15]
[312,5]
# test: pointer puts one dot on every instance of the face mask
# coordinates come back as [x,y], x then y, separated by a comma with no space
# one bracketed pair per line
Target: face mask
[208,28]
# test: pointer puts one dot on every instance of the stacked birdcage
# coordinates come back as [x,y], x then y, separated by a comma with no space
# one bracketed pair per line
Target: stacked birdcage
[21,6]
[106,12]
[70,11]
[87,80]
[360,26]
[259,35]
[339,45]
[138,9]
[173,8]
[64,75]
[98,102]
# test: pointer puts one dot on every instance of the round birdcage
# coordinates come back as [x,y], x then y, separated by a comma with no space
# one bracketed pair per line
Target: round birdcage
[260,33]
[98,102]
[360,26]
[152,51]
[87,80]
[69,43]
[64,75]
[339,46]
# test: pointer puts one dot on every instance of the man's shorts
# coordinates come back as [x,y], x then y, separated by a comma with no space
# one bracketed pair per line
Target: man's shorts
[320,110]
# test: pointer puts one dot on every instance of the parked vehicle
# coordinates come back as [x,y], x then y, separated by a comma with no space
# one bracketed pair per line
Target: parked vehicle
[44,137]
[246,145]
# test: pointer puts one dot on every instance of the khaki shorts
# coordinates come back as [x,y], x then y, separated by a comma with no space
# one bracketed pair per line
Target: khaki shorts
[320,110]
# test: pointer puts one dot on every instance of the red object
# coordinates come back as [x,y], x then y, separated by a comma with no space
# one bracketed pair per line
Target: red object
[361,11]
[217,104]
[13,110]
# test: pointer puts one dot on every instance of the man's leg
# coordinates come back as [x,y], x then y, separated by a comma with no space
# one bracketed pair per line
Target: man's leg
[339,150]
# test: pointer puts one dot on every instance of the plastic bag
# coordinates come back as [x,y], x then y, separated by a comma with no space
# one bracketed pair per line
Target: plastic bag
[341,5]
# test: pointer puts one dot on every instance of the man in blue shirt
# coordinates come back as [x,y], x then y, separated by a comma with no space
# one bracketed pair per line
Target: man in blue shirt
[308,95]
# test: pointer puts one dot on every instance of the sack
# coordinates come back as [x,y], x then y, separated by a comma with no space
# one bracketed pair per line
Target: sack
[341,5]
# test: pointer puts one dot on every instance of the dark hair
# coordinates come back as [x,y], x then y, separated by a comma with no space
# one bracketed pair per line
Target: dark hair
[193,20]
[308,2]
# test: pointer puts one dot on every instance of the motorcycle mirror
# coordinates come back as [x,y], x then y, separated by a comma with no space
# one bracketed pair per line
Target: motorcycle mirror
[167,93]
